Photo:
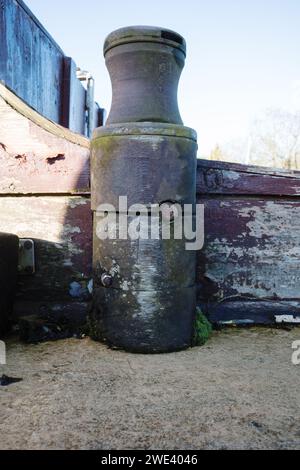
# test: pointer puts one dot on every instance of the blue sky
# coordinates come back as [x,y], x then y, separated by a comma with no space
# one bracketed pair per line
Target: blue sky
[243,56]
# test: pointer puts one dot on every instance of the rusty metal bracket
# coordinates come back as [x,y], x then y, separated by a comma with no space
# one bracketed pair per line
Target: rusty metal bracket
[26,265]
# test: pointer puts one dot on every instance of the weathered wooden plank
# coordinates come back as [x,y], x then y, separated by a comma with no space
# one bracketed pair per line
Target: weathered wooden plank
[74,99]
[251,250]
[252,243]
[46,321]
[252,312]
[29,56]
[225,178]
[32,66]
[22,108]
[35,329]
[61,228]
[36,157]
[74,310]
[241,167]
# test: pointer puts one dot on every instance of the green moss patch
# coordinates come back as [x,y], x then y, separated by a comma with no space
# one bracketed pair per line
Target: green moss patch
[202,329]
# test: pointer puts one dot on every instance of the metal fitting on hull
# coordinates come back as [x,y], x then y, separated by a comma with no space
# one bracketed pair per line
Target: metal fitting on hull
[9,250]
[144,288]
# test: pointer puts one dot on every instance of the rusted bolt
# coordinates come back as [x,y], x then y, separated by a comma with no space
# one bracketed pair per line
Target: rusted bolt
[106,280]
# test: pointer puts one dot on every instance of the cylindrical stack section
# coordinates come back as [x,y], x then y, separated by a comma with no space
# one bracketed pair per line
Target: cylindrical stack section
[144,289]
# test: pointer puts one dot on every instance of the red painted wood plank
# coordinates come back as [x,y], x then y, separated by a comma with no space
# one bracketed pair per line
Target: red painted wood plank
[61,228]
[252,249]
[37,156]
[229,178]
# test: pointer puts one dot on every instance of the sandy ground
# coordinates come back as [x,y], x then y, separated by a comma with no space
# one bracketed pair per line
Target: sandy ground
[239,391]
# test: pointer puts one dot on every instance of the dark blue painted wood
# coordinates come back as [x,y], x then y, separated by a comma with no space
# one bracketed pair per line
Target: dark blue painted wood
[74,99]
[246,312]
[34,67]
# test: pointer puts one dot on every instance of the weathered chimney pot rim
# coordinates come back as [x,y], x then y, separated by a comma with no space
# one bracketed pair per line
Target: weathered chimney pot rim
[151,34]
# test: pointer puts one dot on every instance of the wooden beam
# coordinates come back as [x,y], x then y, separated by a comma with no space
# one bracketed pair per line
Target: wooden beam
[38,156]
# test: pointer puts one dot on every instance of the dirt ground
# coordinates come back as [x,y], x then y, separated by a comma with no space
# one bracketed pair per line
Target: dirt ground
[239,391]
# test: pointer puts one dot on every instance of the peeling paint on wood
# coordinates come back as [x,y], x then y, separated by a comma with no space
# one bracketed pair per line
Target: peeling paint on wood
[235,312]
[230,178]
[252,252]
[287,319]
[249,268]
[39,157]
[61,228]
[251,249]
[34,160]
[34,67]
